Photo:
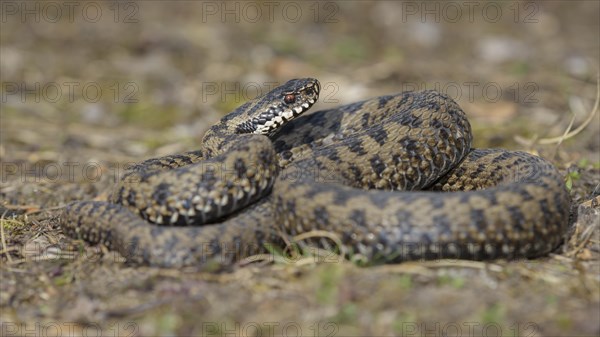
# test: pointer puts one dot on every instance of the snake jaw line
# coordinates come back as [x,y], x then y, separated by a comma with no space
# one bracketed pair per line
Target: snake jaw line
[281,105]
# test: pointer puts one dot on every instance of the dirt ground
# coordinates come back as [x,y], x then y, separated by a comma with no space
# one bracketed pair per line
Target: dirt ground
[88,87]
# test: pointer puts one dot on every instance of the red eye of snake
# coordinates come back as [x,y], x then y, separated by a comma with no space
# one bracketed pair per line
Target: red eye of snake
[289,98]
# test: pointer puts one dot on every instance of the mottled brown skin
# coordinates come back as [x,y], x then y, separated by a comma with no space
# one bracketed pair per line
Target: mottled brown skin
[342,171]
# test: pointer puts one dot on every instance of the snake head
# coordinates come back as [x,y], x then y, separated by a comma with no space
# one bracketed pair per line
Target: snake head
[267,113]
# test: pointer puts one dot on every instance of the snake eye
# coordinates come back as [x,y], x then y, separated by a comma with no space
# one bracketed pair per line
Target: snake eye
[310,91]
[289,98]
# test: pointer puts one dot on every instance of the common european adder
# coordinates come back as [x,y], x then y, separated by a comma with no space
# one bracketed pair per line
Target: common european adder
[394,177]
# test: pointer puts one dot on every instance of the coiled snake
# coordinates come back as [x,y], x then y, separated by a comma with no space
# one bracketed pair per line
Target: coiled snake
[264,171]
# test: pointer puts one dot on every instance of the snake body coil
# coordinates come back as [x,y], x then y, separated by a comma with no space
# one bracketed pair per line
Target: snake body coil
[263,172]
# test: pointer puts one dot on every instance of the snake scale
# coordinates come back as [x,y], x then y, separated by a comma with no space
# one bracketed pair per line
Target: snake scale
[393,177]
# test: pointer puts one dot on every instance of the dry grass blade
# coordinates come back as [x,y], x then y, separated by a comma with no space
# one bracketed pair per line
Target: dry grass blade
[306,255]
[445,263]
[262,258]
[5,248]
[322,234]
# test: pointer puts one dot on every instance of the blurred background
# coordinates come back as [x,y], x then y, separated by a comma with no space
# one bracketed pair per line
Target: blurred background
[107,83]
[126,80]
